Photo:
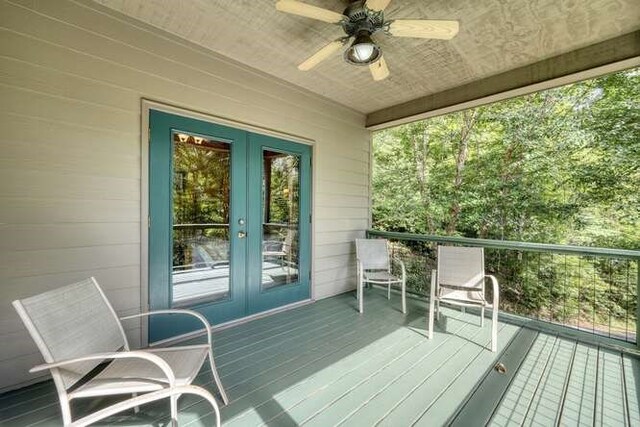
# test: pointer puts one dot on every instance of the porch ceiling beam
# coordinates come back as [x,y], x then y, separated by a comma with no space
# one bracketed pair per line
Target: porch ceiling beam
[608,56]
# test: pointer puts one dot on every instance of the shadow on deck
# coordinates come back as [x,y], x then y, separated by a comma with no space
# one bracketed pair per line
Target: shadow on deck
[325,365]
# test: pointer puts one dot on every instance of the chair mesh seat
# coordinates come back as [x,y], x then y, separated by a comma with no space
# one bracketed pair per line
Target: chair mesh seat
[382,276]
[137,375]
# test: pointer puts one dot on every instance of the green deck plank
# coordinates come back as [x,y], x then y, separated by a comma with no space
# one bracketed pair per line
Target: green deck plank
[610,395]
[327,364]
[362,332]
[412,406]
[441,407]
[406,372]
[383,403]
[471,379]
[375,354]
[632,385]
[547,401]
[324,399]
[254,332]
[244,391]
[513,407]
[579,401]
[233,354]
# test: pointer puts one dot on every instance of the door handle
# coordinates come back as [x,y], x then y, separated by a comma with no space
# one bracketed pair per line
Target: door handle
[241,234]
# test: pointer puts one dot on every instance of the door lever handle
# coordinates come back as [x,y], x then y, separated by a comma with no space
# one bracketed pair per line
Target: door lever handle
[241,234]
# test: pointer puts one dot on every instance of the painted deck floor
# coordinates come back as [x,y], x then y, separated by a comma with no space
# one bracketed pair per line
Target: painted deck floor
[325,365]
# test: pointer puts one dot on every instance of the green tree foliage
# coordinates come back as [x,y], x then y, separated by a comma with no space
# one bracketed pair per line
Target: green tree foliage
[560,166]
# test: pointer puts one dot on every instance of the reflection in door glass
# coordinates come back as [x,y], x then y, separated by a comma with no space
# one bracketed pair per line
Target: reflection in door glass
[281,212]
[201,184]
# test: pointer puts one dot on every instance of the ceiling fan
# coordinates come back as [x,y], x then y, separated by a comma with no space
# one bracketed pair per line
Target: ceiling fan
[360,20]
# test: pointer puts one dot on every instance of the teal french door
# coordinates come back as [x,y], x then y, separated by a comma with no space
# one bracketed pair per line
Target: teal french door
[229,222]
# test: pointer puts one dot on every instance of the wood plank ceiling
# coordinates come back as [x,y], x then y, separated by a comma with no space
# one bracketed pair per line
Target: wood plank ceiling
[495,36]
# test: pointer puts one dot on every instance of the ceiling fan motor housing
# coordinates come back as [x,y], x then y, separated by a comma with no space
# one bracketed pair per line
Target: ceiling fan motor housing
[360,18]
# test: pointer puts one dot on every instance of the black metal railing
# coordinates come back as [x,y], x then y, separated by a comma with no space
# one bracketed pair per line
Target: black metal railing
[589,289]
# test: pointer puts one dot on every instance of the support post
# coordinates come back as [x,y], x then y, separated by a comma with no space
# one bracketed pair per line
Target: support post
[637,303]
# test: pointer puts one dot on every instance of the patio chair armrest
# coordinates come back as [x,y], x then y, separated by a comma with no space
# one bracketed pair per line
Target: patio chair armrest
[148,398]
[192,313]
[496,290]
[136,354]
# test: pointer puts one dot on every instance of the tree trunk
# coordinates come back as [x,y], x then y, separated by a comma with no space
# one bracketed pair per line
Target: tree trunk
[469,119]
[421,152]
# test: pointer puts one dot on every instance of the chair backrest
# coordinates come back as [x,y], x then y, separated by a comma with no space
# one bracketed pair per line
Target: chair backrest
[72,321]
[460,266]
[373,253]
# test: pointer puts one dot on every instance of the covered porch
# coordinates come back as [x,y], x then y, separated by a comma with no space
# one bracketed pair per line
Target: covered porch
[78,79]
[324,364]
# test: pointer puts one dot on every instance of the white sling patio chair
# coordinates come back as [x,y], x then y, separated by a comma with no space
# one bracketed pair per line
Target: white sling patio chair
[85,348]
[374,266]
[459,280]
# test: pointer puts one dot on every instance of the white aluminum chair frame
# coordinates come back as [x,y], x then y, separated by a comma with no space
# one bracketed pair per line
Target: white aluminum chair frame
[361,270]
[172,390]
[434,300]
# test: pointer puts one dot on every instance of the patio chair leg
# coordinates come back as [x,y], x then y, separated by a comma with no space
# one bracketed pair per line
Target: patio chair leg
[388,290]
[438,310]
[360,297]
[494,331]
[482,317]
[66,412]
[404,298]
[216,377]
[136,409]
[432,306]
[174,410]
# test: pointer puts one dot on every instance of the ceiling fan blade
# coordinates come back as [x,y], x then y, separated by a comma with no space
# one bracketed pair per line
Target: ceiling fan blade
[321,55]
[377,5]
[379,69]
[426,29]
[302,9]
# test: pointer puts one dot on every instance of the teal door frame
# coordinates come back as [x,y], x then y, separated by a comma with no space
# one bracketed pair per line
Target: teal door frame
[246,294]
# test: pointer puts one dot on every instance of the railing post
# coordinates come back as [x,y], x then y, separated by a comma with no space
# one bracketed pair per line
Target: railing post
[637,302]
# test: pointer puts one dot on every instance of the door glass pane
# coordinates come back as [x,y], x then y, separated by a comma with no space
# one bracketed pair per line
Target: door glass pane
[201,185]
[281,212]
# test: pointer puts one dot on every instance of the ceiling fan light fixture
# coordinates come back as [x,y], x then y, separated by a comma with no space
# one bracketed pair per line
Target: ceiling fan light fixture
[363,51]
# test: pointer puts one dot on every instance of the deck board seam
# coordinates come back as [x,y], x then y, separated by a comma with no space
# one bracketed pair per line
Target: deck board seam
[275,320]
[595,397]
[625,401]
[259,345]
[544,370]
[565,387]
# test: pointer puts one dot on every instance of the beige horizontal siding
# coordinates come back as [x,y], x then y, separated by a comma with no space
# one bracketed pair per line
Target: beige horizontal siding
[72,77]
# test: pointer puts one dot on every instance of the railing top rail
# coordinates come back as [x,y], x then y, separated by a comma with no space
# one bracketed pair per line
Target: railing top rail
[510,244]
